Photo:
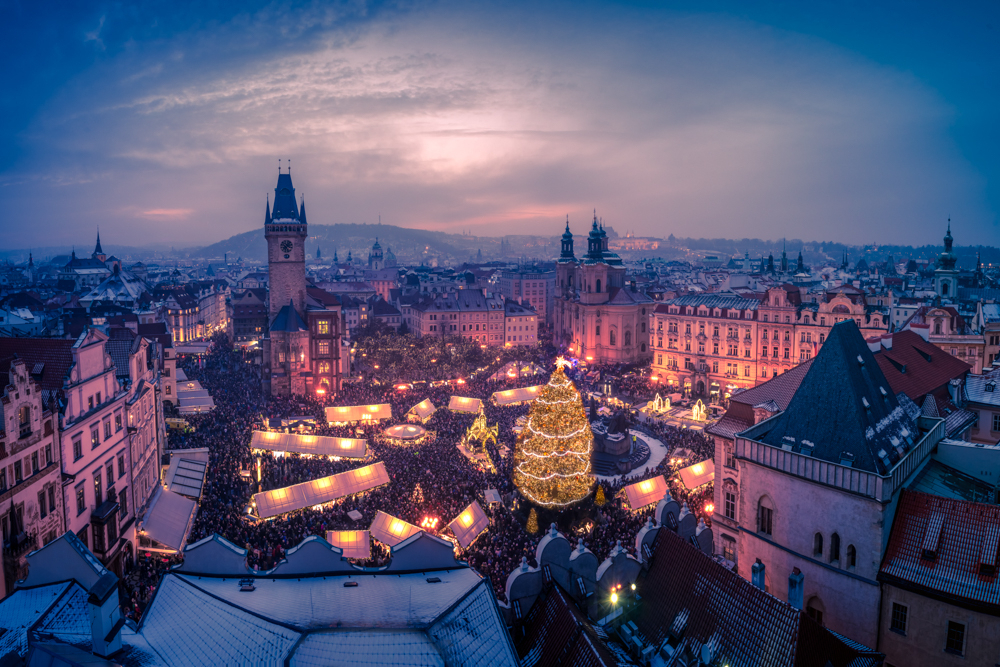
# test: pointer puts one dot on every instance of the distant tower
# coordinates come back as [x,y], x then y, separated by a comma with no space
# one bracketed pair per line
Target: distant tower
[319,253]
[567,245]
[31,269]
[375,259]
[98,251]
[784,258]
[946,275]
[285,233]
[799,266]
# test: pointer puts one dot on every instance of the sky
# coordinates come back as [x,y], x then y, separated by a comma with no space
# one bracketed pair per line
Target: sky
[163,122]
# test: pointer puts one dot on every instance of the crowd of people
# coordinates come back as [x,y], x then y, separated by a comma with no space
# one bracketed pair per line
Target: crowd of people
[430,479]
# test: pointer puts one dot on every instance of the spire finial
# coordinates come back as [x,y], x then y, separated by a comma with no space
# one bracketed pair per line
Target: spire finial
[279,166]
[289,166]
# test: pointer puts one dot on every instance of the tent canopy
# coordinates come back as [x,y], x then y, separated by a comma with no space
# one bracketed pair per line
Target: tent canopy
[186,476]
[646,492]
[389,530]
[346,414]
[470,524]
[422,410]
[465,404]
[322,445]
[168,519]
[698,474]
[318,491]
[354,543]
[511,396]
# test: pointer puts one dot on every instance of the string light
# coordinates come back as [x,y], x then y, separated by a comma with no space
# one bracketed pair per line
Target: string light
[552,458]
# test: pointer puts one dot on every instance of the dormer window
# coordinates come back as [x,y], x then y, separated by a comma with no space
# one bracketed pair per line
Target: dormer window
[991,386]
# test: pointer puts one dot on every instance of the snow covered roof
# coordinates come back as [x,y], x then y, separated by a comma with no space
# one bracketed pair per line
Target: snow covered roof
[169,518]
[423,410]
[352,448]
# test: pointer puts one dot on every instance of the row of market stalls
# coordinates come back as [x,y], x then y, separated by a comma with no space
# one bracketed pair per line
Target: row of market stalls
[192,398]
[170,515]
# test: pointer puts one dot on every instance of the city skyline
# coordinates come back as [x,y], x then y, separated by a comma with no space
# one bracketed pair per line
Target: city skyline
[712,123]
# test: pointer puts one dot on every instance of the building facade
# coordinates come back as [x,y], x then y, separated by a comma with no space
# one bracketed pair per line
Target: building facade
[534,288]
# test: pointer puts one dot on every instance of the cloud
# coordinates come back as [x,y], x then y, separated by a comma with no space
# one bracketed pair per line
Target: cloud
[167,213]
[505,121]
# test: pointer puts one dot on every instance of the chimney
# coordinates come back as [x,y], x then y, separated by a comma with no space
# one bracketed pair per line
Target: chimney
[105,616]
[874,344]
[757,574]
[795,586]
[887,341]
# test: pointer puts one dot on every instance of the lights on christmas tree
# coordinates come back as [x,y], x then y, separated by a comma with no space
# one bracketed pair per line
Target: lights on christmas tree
[552,459]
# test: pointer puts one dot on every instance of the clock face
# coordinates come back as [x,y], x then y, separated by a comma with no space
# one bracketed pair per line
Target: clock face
[286,246]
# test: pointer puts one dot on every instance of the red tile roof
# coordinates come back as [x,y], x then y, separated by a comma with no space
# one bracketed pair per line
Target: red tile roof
[555,633]
[967,541]
[916,368]
[55,353]
[739,416]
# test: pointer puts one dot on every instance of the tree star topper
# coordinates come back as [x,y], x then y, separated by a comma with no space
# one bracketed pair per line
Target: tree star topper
[563,362]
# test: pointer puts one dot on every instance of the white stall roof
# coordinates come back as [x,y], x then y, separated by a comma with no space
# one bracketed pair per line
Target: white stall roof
[521,395]
[351,448]
[646,492]
[186,476]
[493,496]
[389,530]
[169,518]
[318,491]
[357,413]
[180,375]
[698,474]
[465,404]
[423,410]
[354,543]
[470,524]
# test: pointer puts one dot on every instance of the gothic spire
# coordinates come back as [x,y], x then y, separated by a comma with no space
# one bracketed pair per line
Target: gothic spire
[267,210]
[97,248]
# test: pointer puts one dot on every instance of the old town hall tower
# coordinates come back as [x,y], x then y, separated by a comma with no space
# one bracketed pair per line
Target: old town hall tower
[302,346]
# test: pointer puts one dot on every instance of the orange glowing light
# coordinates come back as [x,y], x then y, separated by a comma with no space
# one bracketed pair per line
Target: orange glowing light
[397,527]
[654,378]
[429,522]
[698,468]
[590,358]
[646,486]
[466,519]
[321,391]
[709,508]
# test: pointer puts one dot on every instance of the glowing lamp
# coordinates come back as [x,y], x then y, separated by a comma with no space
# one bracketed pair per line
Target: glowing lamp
[614,598]
[321,391]
[373,408]
[467,519]
[654,378]
[633,587]
[429,522]
[646,486]
[698,468]
[460,381]
[709,508]
[590,358]
[397,527]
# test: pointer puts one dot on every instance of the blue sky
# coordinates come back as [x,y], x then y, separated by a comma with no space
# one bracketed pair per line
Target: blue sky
[163,121]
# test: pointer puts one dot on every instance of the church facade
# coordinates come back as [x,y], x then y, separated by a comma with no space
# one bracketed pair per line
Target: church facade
[596,313]
[302,347]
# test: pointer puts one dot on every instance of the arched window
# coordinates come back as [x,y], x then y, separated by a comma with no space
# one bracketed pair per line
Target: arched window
[642,347]
[25,415]
[852,556]
[937,327]
[611,336]
[628,338]
[834,548]
[598,285]
[765,516]
[818,544]
[643,327]
[944,289]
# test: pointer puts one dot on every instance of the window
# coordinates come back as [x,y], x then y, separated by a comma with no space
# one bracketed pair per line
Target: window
[83,536]
[815,609]
[765,516]
[98,398]
[852,556]
[99,538]
[95,437]
[118,415]
[121,465]
[729,506]
[818,544]
[52,498]
[48,454]
[730,458]
[324,367]
[3,478]
[107,429]
[168,394]
[898,621]
[77,449]
[835,548]
[112,532]
[281,357]
[90,403]
[110,473]
[729,548]
[123,503]
[611,337]
[34,462]
[17,472]
[996,422]
[956,638]
[324,347]
[98,494]
[42,504]
[81,500]
[597,330]
[323,326]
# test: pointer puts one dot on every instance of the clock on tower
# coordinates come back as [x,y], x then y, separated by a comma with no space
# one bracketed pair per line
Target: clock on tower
[285,231]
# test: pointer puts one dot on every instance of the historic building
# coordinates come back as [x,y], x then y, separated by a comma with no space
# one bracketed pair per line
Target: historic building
[532,287]
[302,347]
[600,317]
[946,274]
[712,344]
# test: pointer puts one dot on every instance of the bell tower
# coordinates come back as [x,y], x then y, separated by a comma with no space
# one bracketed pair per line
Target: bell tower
[285,231]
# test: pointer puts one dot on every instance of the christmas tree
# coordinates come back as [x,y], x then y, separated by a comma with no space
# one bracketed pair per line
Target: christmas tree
[552,459]
[532,526]
[599,498]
